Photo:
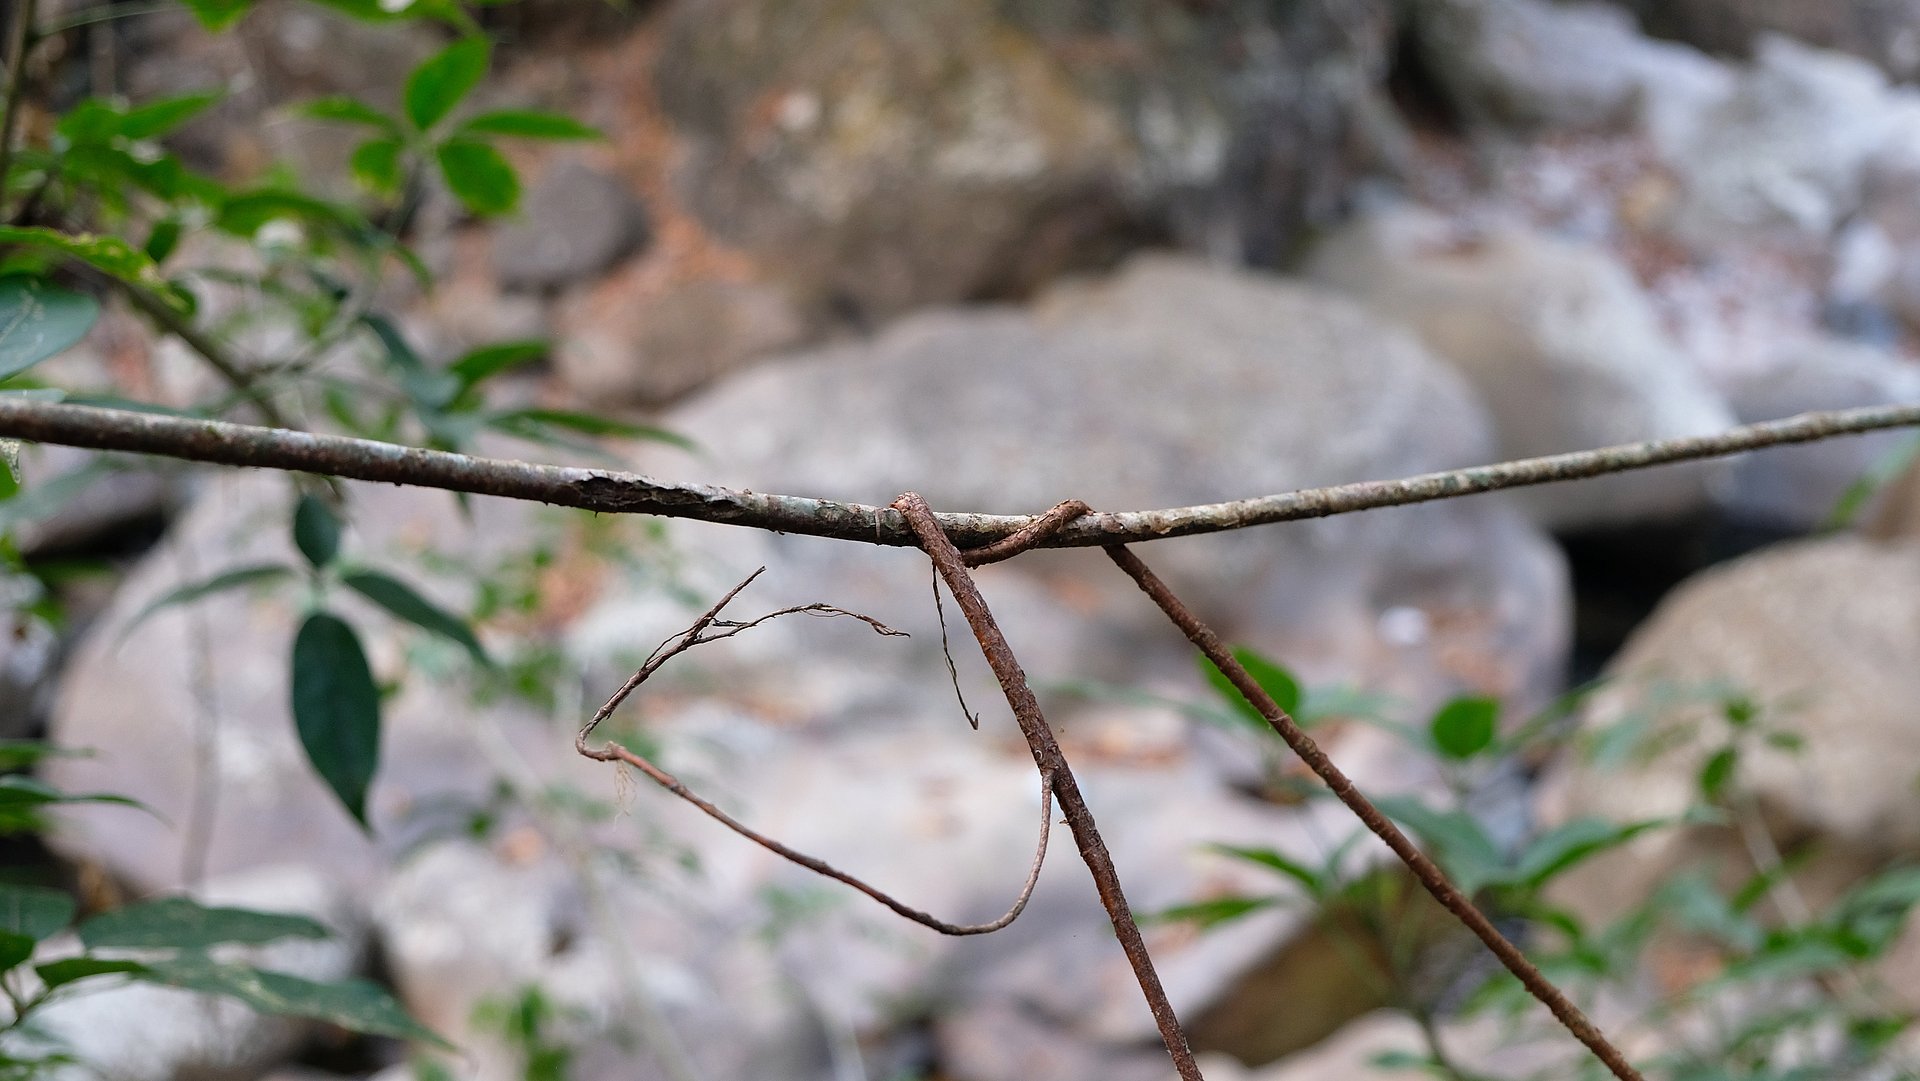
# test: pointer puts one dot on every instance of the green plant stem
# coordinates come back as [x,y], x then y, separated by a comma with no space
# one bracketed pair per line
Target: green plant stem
[19,41]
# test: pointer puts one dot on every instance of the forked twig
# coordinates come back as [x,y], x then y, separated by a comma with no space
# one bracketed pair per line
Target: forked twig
[951,564]
[711,628]
[1424,869]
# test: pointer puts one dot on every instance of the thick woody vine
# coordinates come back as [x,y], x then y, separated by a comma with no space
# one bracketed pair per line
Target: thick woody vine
[953,542]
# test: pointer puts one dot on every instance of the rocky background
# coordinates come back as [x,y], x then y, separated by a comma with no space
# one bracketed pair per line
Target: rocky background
[1140,252]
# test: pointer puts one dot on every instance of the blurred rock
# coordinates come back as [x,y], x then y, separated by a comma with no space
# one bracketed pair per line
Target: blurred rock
[1170,384]
[879,156]
[138,1032]
[287,53]
[135,702]
[1559,340]
[1798,487]
[1532,64]
[1884,31]
[634,345]
[1787,152]
[1820,636]
[574,223]
[29,662]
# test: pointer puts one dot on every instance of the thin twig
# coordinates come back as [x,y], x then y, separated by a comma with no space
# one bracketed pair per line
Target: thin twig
[946,650]
[19,41]
[710,628]
[612,492]
[1425,870]
[1052,762]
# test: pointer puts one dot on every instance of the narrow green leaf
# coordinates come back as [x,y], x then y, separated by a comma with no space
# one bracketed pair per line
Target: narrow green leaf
[438,84]
[488,361]
[217,15]
[589,424]
[1717,772]
[1210,913]
[15,949]
[1307,877]
[347,110]
[376,164]
[1462,847]
[164,237]
[1878,475]
[1465,726]
[400,600]
[157,118]
[355,1005]
[479,176]
[316,532]
[38,320]
[182,924]
[1272,677]
[336,708]
[219,583]
[1568,845]
[34,911]
[60,973]
[108,254]
[528,124]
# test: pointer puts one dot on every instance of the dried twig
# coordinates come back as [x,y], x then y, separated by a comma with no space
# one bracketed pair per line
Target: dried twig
[633,493]
[1424,869]
[711,628]
[1052,763]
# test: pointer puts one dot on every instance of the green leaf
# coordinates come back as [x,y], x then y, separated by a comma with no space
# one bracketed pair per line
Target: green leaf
[15,950]
[217,15]
[1464,727]
[316,532]
[336,708]
[38,320]
[1878,475]
[1567,845]
[1210,913]
[400,600]
[346,110]
[219,583]
[1717,772]
[376,164]
[60,973]
[355,1005]
[1307,877]
[181,924]
[1469,856]
[34,912]
[438,84]
[589,424]
[108,254]
[488,361]
[164,237]
[1272,678]
[527,124]
[158,118]
[479,177]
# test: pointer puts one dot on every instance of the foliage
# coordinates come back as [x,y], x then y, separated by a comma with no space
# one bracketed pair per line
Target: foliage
[1782,992]
[97,209]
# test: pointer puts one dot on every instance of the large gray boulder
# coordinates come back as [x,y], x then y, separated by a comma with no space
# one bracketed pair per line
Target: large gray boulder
[1558,338]
[1884,31]
[884,155]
